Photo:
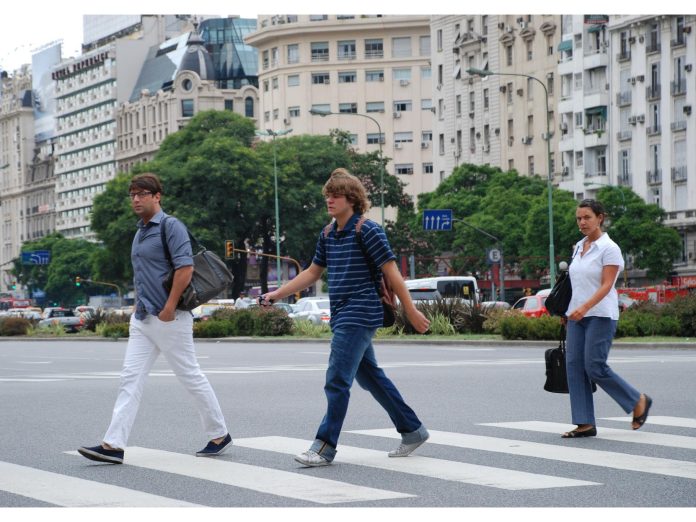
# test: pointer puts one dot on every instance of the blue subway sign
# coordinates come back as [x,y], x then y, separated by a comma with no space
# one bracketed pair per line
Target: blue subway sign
[438,219]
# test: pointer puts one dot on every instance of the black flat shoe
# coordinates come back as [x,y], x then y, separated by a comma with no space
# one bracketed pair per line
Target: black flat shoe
[640,420]
[576,433]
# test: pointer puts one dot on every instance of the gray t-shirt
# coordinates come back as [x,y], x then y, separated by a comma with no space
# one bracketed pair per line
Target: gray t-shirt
[150,264]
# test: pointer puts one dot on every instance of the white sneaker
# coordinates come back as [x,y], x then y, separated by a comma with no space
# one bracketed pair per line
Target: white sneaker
[312,459]
[404,450]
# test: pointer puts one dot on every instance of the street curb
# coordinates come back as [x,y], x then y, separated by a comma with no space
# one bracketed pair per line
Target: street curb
[419,341]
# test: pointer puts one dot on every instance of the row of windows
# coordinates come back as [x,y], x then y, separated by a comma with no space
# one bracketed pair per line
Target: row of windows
[352,108]
[401,75]
[401,47]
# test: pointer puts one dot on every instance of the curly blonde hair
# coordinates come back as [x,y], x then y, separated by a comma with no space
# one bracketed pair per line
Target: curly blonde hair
[343,183]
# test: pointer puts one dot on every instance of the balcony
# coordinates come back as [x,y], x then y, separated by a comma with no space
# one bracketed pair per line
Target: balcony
[678,125]
[625,180]
[678,87]
[653,92]
[679,41]
[623,98]
[654,177]
[653,47]
[623,56]
[654,130]
[679,174]
[623,135]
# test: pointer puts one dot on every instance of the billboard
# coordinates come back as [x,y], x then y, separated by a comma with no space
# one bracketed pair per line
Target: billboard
[44,91]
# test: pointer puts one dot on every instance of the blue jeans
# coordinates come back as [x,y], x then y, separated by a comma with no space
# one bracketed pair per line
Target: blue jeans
[587,349]
[353,357]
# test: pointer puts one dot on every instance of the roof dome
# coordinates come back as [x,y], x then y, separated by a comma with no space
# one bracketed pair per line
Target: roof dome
[197,58]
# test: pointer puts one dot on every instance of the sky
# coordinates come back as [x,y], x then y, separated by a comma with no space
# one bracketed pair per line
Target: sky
[32,25]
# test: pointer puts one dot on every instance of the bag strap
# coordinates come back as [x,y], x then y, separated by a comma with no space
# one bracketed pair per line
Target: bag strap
[165,244]
[376,280]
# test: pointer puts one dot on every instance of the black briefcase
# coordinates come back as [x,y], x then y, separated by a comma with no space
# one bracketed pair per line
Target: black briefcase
[556,375]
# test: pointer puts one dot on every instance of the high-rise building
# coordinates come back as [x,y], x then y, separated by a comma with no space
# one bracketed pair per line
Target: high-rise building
[374,67]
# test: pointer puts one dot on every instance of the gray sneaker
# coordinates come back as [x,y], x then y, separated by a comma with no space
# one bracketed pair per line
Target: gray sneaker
[312,459]
[404,450]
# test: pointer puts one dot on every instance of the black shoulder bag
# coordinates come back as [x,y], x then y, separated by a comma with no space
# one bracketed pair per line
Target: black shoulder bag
[556,375]
[210,274]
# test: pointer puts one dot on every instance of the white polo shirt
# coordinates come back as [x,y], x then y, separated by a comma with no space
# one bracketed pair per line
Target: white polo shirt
[586,276]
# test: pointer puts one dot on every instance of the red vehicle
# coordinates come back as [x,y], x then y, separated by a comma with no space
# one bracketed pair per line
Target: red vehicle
[532,306]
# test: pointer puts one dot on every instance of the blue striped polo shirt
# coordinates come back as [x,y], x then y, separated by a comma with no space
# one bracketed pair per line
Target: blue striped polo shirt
[353,294]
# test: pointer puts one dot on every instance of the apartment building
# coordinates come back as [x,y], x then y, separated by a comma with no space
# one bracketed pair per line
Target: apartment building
[373,66]
[500,118]
[653,136]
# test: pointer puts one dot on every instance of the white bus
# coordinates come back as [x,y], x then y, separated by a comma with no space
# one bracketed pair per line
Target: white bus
[446,287]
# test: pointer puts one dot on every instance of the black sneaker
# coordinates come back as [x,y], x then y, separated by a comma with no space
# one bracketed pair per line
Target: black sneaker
[101,454]
[212,449]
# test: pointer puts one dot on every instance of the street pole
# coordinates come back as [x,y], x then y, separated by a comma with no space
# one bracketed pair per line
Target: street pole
[552,254]
[500,248]
[274,134]
[316,112]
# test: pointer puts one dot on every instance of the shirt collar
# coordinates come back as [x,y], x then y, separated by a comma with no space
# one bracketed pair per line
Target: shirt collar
[156,219]
[350,225]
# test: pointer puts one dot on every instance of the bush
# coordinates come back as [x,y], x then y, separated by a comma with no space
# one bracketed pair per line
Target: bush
[212,328]
[242,322]
[493,318]
[683,308]
[114,330]
[272,322]
[517,326]
[305,328]
[463,317]
[647,320]
[14,326]
[262,322]
[440,325]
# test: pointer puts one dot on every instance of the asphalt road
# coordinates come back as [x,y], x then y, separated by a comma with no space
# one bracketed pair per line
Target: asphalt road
[495,432]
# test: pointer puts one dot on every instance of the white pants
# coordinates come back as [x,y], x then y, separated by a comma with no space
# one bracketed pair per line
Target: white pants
[147,338]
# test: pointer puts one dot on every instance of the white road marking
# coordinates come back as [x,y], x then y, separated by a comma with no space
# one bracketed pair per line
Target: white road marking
[680,422]
[256,478]
[423,466]
[67,491]
[606,459]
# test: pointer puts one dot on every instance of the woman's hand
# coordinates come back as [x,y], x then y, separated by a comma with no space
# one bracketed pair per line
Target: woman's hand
[578,313]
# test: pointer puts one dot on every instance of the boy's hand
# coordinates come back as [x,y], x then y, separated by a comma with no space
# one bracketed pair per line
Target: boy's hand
[419,322]
[264,300]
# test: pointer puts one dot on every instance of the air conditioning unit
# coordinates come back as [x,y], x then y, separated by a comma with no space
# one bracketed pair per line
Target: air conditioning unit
[424,144]
[641,118]
[511,140]
[640,77]
[397,114]
[631,39]
[501,25]
[503,88]
[632,120]
[404,83]
[520,92]
[486,148]
[632,80]
[687,29]
[526,140]
[687,109]
[286,121]
[564,127]
[688,67]
[397,145]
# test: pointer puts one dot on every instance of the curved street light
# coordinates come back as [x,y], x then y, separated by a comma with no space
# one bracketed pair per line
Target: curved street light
[552,255]
[273,134]
[317,112]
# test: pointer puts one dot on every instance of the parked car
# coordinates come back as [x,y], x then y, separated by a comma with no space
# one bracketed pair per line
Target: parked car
[495,305]
[314,309]
[531,306]
[285,307]
[430,289]
[64,317]
[33,313]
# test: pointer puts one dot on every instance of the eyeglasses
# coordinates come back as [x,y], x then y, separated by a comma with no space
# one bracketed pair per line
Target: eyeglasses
[139,195]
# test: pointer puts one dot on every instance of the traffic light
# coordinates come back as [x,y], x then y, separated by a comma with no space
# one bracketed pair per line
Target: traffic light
[78,280]
[229,249]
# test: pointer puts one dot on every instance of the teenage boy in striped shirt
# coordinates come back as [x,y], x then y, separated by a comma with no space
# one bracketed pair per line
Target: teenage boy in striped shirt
[356,313]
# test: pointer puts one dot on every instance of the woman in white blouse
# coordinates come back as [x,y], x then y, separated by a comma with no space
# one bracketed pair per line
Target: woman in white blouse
[592,316]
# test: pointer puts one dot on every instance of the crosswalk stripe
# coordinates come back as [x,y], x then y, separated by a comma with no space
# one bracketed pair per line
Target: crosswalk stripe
[639,437]
[256,478]
[67,491]
[607,459]
[661,420]
[424,466]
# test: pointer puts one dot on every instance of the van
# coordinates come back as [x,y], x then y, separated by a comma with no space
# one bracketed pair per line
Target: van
[445,287]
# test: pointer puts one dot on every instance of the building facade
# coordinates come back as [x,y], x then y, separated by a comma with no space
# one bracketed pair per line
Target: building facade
[377,67]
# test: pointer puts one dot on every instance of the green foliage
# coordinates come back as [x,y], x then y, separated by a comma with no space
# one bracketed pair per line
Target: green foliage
[256,321]
[305,328]
[517,326]
[440,325]
[683,309]
[114,330]
[10,326]
[494,316]
[211,328]
[272,323]
[461,316]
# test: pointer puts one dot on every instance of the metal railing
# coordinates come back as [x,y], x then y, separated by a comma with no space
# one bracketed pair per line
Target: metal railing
[654,176]
[679,173]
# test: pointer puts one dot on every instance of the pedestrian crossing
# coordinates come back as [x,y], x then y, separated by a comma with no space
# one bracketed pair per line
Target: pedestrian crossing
[381,480]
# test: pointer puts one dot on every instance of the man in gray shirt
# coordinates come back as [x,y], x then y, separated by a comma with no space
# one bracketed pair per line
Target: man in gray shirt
[157,326]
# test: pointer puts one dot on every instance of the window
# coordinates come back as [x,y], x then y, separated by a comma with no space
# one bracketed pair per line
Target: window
[426,72]
[401,74]
[403,168]
[267,116]
[274,82]
[320,78]
[530,89]
[440,109]
[508,55]
[347,77]
[351,108]
[274,57]
[374,107]
[229,105]
[624,165]
[458,105]
[439,39]
[441,144]
[578,158]
[265,85]
[484,25]
[508,90]
[427,104]
[346,50]
[485,99]
[293,80]
[530,125]
[374,48]
[293,53]
[578,41]
[549,83]
[424,45]
[321,107]
[320,51]
[275,114]
[353,139]
[530,165]
[578,120]
[427,168]
[578,81]
[374,138]
[403,105]
[318,18]
[459,142]
[294,112]
[530,54]
[549,46]
[472,101]
[401,47]
[249,107]
[264,58]
[186,108]
[601,162]
[374,76]
[403,137]
[426,136]
[439,74]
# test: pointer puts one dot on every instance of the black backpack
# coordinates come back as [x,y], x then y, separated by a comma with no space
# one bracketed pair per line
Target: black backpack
[210,274]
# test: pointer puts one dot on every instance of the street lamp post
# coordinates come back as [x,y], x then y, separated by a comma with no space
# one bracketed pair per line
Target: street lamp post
[552,255]
[593,184]
[273,134]
[500,248]
[317,112]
